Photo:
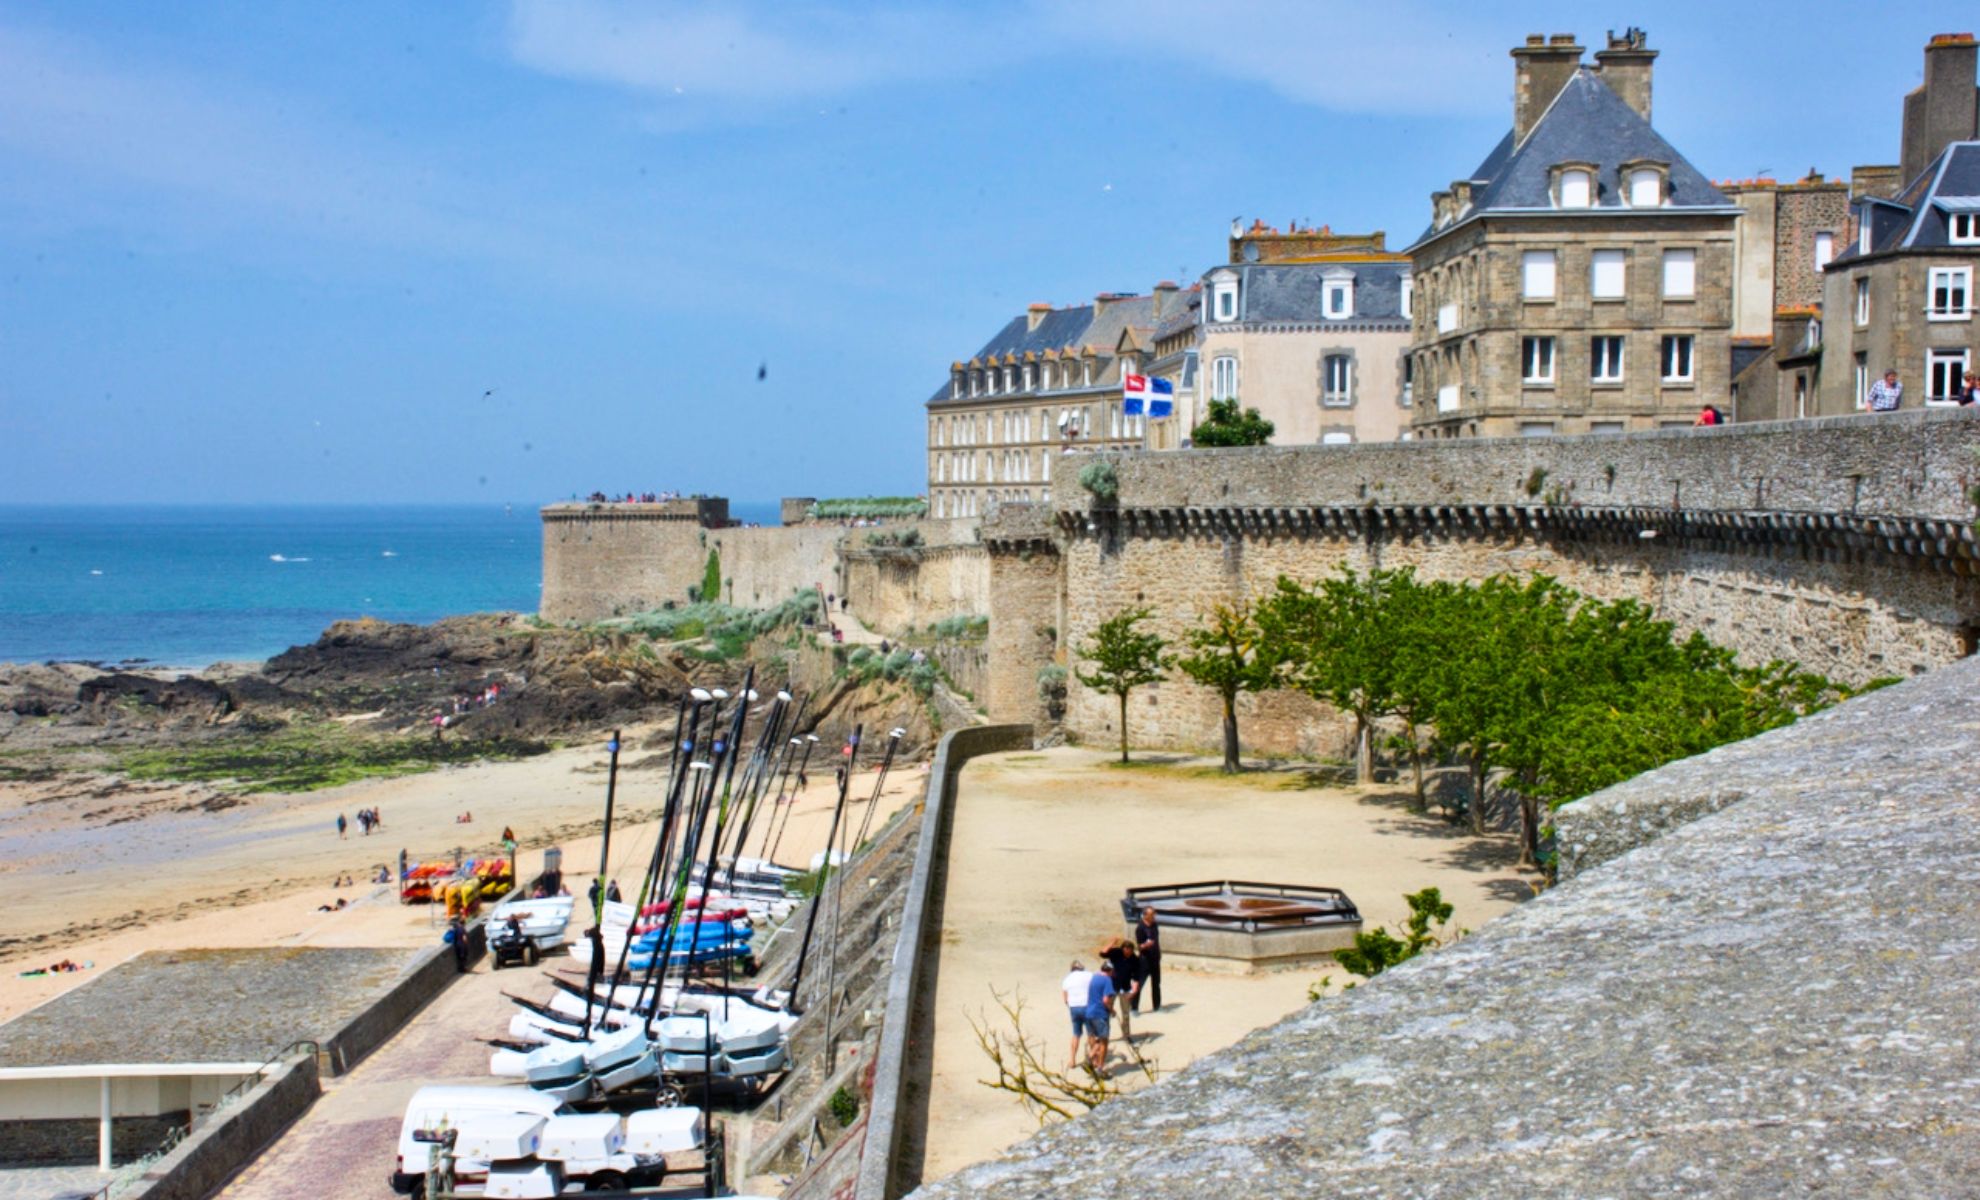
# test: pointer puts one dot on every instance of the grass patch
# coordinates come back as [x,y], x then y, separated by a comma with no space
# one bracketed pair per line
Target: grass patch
[307,757]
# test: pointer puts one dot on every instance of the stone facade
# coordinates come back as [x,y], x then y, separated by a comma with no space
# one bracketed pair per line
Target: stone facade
[1847,545]
[1899,335]
[896,588]
[1581,279]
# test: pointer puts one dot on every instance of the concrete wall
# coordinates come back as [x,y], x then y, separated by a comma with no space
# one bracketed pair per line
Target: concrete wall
[1845,544]
[897,1113]
[224,1145]
[426,978]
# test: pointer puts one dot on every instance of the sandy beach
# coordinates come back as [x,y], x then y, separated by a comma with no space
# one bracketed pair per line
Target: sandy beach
[96,873]
[1045,843]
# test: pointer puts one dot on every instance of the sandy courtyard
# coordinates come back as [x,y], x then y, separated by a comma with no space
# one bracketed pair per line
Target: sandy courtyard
[1044,845]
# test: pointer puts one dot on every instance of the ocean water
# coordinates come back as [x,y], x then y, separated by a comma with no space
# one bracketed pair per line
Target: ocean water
[186,586]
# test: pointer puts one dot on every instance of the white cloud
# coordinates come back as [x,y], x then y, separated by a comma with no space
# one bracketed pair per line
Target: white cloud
[730,52]
[1395,58]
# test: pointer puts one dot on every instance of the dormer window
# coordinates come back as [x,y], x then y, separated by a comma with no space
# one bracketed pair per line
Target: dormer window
[1337,294]
[1030,378]
[1575,188]
[1223,293]
[1408,295]
[1963,228]
[1645,182]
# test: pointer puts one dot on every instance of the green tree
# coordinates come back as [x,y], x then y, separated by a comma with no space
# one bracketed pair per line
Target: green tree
[1338,647]
[1425,621]
[1376,950]
[1230,654]
[1123,658]
[711,577]
[1228,425]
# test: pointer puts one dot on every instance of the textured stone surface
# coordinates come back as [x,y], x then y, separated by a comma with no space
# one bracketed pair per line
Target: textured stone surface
[181,1006]
[1775,999]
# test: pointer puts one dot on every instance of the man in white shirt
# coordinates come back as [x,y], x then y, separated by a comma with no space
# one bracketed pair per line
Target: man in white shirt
[1075,990]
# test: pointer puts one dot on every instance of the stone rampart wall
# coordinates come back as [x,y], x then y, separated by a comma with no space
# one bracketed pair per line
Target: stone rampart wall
[609,560]
[897,589]
[763,566]
[1845,544]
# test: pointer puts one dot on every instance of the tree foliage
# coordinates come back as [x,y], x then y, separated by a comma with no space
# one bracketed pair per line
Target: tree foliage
[1228,425]
[1376,950]
[711,578]
[1230,654]
[1548,693]
[1123,658]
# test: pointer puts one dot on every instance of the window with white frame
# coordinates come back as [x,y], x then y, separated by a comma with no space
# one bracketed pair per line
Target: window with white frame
[1337,437]
[1605,358]
[1863,300]
[1577,189]
[1680,274]
[1086,373]
[1948,293]
[1408,295]
[1963,229]
[1944,370]
[1337,375]
[1863,231]
[1224,300]
[1337,299]
[1677,367]
[1825,249]
[1860,379]
[1223,378]
[1447,317]
[1536,359]
[1536,274]
[1607,274]
[1536,429]
[1010,379]
[1408,379]
[1030,377]
[1646,188]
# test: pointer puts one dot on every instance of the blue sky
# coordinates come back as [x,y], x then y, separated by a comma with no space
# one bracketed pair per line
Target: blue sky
[281,251]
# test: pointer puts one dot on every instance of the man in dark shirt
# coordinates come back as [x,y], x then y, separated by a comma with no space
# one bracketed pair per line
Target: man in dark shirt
[1148,940]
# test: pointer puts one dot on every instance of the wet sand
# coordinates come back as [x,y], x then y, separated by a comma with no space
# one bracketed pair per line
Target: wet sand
[1045,843]
[100,873]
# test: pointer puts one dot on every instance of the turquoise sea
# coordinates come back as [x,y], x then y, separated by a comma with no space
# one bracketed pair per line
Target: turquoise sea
[186,586]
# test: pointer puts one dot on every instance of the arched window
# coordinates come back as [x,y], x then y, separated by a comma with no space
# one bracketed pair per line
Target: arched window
[1646,187]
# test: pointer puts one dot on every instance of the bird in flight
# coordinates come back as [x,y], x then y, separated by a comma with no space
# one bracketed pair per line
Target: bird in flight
[762,372]
[490,392]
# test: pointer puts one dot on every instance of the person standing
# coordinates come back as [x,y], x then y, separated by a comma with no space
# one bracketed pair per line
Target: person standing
[1887,393]
[612,893]
[1123,967]
[1099,1004]
[341,826]
[1148,940]
[1074,988]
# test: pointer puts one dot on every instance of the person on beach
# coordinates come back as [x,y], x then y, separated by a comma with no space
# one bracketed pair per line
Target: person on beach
[612,893]
[341,826]
[1075,987]
[1148,940]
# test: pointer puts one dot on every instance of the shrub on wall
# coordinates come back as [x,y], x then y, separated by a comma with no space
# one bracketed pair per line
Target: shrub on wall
[1099,478]
[850,507]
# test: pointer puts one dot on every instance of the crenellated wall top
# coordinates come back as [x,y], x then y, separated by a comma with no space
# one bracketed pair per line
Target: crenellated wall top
[1914,465]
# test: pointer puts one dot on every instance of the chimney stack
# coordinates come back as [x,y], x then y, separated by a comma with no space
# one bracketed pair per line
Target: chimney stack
[1541,68]
[1625,67]
[1946,107]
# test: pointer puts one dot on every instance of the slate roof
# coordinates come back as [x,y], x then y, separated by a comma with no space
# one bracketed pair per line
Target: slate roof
[1077,327]
[1916,218]
[1291,292]
[1586,123]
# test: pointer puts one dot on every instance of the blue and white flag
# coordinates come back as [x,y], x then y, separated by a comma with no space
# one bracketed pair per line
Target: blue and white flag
[1157,396]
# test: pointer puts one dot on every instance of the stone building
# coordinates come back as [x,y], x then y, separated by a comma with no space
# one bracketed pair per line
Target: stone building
[1787,234]
[1900,294]
[1311,328]
[1581,279]
[1048,382]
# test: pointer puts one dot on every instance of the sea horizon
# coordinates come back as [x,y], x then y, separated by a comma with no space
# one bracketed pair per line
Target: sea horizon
[181,586]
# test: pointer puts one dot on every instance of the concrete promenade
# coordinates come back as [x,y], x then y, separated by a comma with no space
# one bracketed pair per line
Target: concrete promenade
[344,1146]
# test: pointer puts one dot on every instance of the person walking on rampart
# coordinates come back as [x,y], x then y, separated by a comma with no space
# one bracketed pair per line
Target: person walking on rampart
[1075,988]
[1148,940]
[1887,393]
